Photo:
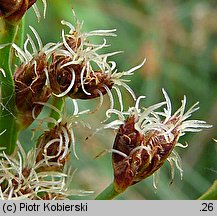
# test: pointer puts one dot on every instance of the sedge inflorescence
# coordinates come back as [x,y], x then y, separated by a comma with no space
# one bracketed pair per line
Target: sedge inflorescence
[71,68]
[77,69]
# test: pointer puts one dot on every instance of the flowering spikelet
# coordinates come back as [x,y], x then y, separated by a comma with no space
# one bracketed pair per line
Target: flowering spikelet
[75,60]
[146,139]
[21,178]
[54,145]
[79,71]
[30,78]
[13,10]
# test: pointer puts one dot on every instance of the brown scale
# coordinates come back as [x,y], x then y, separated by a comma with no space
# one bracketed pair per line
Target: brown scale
[13,10]
[73,44]
[7,9]
[128,171]
[30,88]
[126,140]
[160,153]
[93,84]
[60,78]
[53,149]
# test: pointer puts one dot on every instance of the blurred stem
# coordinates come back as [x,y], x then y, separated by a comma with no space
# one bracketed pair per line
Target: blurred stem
[108,194]
[8,139]
[59,104]
[211,193]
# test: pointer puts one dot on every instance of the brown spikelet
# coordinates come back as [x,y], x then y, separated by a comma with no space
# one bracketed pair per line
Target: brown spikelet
[145,153]
[61,77]
[13,10]
[30,80]
[54,155]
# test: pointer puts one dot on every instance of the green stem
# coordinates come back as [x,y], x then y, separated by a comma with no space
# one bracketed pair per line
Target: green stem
[108,194]
[59,104]
[211,193]
[7,110]
[19,41]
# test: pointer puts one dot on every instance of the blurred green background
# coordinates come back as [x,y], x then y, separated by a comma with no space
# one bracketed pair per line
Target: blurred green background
[179,40]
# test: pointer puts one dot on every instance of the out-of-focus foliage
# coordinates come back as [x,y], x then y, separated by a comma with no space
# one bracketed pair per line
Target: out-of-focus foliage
[179,40]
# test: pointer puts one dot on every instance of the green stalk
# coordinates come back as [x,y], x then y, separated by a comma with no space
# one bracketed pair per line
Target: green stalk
[59,104]
[211,193]
[19,41]
[108,194]
[7,111]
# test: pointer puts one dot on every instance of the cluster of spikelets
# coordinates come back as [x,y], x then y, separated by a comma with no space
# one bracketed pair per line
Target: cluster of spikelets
[71,68]
[23,177]
[74,68]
